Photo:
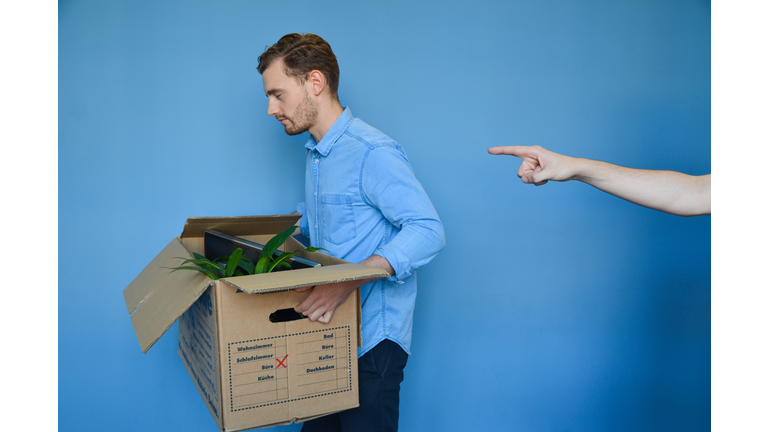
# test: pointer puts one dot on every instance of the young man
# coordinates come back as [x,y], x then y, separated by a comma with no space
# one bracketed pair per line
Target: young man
[363,204]
[668,191]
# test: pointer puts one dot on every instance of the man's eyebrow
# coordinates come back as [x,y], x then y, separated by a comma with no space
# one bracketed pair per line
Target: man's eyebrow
[273,91]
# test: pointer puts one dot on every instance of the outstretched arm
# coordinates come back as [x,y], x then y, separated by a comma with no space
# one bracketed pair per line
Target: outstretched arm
[667,191]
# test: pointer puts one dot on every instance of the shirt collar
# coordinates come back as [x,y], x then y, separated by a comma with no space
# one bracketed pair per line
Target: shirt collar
[339,126]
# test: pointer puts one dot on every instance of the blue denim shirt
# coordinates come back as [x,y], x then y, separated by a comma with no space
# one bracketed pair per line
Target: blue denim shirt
[363,199]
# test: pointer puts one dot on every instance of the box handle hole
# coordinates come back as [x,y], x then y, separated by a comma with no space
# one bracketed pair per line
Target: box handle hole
[285,315]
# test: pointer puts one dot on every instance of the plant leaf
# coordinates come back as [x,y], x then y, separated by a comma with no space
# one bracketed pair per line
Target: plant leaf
[247,265]
[262,264]
[276,241]
[315,249]
[281,259]
[204,263]
[201,270]
[197,258]
[232,263]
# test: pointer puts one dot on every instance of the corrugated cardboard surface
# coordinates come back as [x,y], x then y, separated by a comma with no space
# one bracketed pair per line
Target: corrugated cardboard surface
[288,280]
[159,296]
[239,225]
[273,373]
[249,371]
[199,350]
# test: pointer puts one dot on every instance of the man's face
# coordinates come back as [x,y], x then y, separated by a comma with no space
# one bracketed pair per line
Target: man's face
[289,101]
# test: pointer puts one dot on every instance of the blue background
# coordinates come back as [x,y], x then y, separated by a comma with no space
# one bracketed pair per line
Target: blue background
[553,308]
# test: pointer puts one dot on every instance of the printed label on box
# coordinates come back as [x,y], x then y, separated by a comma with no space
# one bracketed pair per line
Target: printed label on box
[288,368]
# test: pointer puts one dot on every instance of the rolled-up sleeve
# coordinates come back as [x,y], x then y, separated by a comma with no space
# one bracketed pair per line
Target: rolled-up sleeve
[390,185]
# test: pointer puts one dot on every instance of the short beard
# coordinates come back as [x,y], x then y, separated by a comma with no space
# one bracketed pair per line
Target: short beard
[303,117]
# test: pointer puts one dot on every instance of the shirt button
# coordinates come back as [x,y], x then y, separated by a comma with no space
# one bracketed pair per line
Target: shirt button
[317,161]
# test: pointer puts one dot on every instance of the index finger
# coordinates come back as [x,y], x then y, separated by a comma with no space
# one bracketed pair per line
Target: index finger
[518,151]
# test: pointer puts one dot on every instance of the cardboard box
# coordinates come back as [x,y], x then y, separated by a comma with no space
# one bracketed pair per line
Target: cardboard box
[249,371]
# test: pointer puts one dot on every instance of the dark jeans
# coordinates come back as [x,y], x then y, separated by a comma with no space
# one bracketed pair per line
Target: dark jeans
[380,372]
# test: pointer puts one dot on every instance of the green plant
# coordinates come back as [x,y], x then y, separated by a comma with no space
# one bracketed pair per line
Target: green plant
[238,264]
[268,261]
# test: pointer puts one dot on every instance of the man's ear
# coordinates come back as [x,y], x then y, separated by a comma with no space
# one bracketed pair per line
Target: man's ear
[316,81]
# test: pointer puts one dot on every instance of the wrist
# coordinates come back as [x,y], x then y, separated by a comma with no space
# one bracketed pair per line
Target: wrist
[380,262]
[581,170]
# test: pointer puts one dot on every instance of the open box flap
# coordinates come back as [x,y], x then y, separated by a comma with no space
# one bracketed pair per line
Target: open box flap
[239,225]
[288,280]
[158,297]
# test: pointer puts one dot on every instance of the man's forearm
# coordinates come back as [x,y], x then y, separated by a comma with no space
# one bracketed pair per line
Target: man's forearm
[379,262]
[667,191]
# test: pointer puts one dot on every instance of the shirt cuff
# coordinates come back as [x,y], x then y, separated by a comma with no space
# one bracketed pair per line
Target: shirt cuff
[398,260]
[303,223]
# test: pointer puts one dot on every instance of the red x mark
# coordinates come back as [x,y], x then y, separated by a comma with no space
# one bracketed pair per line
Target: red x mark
[280,362]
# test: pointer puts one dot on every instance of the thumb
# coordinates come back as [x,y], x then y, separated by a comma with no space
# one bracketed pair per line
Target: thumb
[326,317]
[303,289]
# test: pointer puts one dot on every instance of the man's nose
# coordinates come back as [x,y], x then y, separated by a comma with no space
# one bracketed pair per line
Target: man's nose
[272,108]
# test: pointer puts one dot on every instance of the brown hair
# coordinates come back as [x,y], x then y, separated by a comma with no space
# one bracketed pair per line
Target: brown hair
[301,54]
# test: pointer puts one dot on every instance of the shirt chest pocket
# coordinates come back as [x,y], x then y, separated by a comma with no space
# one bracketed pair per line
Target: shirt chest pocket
[338,218]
